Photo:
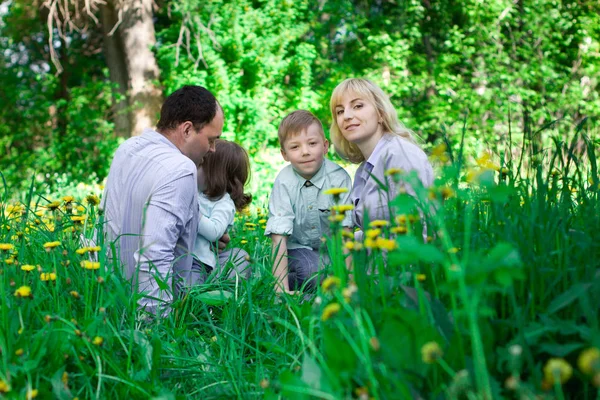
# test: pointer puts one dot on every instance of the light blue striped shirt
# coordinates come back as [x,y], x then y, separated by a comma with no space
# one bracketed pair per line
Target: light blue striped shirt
[302,211]
[151,213]
[217,217]
[391,151]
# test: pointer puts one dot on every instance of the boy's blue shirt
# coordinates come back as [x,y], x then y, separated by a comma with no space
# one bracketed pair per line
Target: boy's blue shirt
[299,209]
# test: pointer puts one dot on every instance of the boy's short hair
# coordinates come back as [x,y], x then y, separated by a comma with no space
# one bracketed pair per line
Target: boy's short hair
[296,122]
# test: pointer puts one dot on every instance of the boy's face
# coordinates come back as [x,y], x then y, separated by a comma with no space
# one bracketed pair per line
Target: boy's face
[306,151]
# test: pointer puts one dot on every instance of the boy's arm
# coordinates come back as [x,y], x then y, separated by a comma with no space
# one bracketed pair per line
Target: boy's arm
[280,262]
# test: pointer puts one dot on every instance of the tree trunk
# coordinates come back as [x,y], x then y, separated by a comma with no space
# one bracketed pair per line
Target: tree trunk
[138,37]
[114,55]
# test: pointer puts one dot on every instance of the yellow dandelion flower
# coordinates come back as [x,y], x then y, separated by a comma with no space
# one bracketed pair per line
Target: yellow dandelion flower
[421,277]
[447,192]
[39,213]
[78,218]
[65,378]
[92,199]
[394,171]
[401,219]
[431,352]
[9,261]
[342,208]
[330,283]
[557,370]
[336,218]
[379,223]
[439,152]
[370,243]
[386,244]
[94,249]
[48,276]
[81,209]
[23,291]
[399,230]
[32,394]
[90,264]
[250,224]
[372,233]
[6,246]
[51,245]
[243,241]
[4,386]
[330,310]
[81,251]
[347,234]
[68,199]
[53,205]
[74,293]
[262,221]
[98,341]
[485,161]
[19,352]
[453,250]
[589,361]
[336,191]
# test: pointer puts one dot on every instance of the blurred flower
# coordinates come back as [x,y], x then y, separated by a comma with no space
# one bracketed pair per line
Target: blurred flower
[557,370]
[347,234]
[50,245]
[349,291]
[485,161]
[94,249]
[589,361]
[81,251]
[48,276]
[330,311]
[342,208]
[379,223]
[98,341]
[430,352]
[243,241]
[74,293]
[335,191]
[439,153]
[336,218]
[32,394]
[53,205]
[401,219]
[385,244]
[19,352]
[6,246]
[68,199]
[330,283]
[78,218]
[453,250]
[374,343]
[372,233]
[264,383]
[262,221]
[4,386]
[90,264]
[399,230]
[421,277]
[394,171]
[447,192]
[370,243]
[92,199]
[23,291]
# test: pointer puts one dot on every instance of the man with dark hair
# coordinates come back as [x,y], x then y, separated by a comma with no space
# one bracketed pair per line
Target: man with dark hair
[150,199]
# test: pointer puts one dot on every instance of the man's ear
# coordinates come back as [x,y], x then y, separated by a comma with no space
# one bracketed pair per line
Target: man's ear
[186,129]
[284,155]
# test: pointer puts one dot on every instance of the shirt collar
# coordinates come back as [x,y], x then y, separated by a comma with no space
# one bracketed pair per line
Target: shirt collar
[155,137]
[317,180]
[376,154]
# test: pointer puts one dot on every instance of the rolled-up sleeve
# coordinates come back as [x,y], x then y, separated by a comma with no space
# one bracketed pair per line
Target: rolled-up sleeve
[281,212]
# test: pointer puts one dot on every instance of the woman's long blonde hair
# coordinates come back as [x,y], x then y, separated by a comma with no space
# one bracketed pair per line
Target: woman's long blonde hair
[386,112]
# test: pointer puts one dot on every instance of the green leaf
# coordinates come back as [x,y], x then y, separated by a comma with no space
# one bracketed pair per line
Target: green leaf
[560,350]
[214,297]
[566,298]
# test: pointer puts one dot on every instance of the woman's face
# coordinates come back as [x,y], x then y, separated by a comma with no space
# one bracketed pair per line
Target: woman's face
[357,118]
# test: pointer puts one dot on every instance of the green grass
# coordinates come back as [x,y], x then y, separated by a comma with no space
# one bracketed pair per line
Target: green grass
[509,281]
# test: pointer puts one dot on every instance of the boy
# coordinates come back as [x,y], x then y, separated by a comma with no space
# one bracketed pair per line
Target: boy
[298,208]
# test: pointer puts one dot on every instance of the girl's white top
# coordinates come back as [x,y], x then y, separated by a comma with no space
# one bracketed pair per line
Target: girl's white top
[216,217]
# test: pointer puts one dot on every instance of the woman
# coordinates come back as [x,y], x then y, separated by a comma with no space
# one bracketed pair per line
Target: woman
[366,130]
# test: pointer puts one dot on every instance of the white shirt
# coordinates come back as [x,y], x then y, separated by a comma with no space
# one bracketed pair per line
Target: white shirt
[217,218]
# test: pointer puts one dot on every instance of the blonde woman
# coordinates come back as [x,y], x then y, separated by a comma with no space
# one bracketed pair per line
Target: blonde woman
[366,130]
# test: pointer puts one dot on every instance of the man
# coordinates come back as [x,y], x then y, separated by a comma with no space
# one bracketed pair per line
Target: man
[150,200]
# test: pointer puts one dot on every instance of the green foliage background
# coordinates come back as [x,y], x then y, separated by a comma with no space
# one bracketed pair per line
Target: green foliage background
[445,64]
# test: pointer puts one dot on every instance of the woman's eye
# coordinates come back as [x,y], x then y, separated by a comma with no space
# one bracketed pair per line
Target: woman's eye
[358,106]
[339,112]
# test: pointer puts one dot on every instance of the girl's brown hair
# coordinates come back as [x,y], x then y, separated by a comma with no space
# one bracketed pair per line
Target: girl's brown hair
[227,170]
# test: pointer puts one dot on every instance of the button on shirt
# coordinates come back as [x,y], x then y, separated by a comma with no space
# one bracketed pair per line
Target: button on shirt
[299,209]
[391,151]
[151,212]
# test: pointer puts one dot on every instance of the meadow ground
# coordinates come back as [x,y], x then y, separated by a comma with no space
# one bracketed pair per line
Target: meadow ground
[500,301]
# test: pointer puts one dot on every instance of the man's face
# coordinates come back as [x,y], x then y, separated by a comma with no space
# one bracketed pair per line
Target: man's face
[199,142]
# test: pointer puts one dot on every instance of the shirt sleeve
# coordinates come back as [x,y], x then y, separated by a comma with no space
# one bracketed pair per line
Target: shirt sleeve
[281,212]
[222,215]
[166,215]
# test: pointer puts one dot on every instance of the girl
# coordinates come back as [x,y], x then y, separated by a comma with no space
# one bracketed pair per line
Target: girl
[366,130]
[221,180]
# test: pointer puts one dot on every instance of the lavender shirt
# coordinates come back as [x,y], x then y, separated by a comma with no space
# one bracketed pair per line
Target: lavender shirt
[151,212]
[391,151]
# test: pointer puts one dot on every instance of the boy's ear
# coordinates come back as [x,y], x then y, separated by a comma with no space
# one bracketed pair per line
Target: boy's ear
[285,157]
[326,146]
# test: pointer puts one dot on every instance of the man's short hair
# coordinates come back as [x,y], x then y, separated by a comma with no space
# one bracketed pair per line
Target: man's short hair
[189,103]
[295,123]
